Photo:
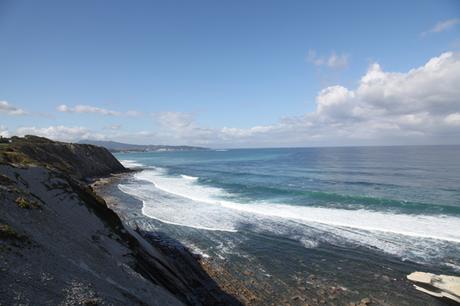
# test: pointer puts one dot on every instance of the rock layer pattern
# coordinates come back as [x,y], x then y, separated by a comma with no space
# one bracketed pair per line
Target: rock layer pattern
[61,245]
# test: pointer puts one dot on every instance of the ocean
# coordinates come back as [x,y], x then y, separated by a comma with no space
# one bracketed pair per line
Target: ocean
[354,218]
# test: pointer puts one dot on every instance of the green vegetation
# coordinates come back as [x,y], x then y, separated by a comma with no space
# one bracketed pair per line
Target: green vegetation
[26,203]
[12,238]
[92,302]
[23,150]
[14,157]
[77,160]
[7,232]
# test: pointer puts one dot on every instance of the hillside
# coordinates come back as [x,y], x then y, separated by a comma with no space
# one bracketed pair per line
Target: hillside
[61,245]
[79,160]
[124,147]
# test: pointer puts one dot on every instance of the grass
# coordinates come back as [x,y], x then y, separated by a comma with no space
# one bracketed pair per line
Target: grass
[92,302]
[25,203]
[9,156]
[12,238]
[7,232]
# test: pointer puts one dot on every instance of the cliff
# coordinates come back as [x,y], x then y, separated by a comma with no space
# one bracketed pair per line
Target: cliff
[79,160]
[61,245]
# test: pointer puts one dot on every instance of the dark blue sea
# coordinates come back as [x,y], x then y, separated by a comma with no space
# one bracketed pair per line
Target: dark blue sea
[358,218]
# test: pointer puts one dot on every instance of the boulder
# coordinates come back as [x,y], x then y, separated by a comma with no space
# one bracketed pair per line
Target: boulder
[441,286]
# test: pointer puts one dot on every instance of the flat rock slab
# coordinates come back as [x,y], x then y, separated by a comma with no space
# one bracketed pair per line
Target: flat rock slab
[442,286]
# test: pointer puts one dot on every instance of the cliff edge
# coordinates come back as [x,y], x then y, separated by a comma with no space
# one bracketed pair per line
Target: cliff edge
[78,160]
[61,245]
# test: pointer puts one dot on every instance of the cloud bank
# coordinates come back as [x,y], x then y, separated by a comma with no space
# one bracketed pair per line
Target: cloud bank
[420,106]
[4,131]
[60,132]
[9,109]
[442,26]
[88,109]
[332,61]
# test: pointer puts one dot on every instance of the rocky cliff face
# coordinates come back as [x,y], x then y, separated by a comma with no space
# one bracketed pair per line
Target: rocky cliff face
[79,160]
[61,245]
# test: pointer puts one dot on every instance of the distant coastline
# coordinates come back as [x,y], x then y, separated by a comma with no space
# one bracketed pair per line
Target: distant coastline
[115,147]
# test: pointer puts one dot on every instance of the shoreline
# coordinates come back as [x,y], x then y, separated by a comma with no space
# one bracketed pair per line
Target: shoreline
[237,279]
[230,285]
[69,208]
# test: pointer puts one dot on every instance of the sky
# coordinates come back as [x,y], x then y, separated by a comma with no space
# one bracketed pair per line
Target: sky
[232,73]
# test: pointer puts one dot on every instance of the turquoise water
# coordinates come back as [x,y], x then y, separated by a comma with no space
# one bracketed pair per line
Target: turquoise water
[404,194]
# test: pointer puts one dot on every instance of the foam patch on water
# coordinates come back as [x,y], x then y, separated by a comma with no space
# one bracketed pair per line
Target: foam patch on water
[182,200]
[423,226]
[127,163]
[184,186]
[179,211]
[435,227]
[188,177]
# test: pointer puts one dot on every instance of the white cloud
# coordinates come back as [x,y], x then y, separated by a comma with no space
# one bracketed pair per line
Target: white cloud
[94,110]
[59,132]
[396,104]
[4,131]
[133,113]
[442,26]
[453,119]
[9,109]
[332,61]
[180,127]
[418,106]
[174,120]
[113,127]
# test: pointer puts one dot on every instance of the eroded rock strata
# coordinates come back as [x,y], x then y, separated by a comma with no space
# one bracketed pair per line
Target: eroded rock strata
[61,245]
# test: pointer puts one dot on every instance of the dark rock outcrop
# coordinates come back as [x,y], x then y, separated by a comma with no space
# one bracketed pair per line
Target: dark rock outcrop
[60,244]
[78,160]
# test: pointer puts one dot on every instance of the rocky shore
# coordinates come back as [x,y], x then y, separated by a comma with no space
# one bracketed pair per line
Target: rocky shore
[67,239]
[240,278]
[380,280]
[60,244]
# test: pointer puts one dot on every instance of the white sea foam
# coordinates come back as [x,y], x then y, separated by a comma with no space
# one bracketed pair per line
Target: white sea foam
[127,163]
[181,200]
[188,177]
[196,250]
[178,210]
[184,186]
[192,226]
[435,227]
[424,226]
[453,266]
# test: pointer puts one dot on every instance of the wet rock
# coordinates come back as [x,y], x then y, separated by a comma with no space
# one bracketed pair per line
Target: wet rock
[247,273]
[386,278]
[297,298]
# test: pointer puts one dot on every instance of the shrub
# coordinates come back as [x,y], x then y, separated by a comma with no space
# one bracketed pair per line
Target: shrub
[26,203]
[7,232]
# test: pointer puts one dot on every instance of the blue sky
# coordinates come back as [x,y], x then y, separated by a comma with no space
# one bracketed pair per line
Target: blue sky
[228,73]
